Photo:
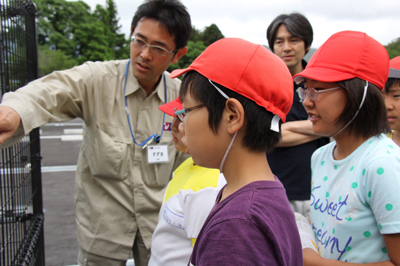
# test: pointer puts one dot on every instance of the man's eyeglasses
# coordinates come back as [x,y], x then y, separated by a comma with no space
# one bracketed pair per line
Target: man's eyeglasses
[180,114]
[312,93]
[155,49]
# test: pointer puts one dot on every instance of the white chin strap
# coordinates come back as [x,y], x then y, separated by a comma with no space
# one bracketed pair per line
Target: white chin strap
[274,126]
[275,119]
[361,104]
[275,123]
[226,153]
[234,136]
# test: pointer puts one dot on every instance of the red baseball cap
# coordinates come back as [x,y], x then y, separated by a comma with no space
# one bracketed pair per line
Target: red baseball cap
[248,69]
[169,108]
[394,68]
[346,55]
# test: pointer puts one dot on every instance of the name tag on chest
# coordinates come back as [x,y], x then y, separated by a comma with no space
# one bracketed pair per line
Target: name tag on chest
[157,153]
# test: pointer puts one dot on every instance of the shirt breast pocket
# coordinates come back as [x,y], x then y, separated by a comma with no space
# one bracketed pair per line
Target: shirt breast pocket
[106,149]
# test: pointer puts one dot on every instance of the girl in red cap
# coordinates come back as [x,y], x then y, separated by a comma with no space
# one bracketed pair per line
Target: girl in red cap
[355,206]
[392,99]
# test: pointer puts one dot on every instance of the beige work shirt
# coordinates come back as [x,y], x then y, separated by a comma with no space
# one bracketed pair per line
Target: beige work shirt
[117,192]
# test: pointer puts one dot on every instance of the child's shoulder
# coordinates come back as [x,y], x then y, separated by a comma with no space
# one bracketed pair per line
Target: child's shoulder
[262,198]
[194,177]
[324,150]
[382,147]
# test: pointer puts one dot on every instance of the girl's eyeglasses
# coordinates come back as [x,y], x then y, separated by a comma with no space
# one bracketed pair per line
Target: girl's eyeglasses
[312,93]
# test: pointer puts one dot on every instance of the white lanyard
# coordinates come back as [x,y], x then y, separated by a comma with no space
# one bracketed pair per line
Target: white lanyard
[154,137]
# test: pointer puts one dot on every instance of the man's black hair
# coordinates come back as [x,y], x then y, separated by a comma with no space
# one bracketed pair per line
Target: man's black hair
[170,13]
[297,24]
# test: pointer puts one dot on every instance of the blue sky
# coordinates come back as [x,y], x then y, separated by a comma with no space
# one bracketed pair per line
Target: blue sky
[249,19]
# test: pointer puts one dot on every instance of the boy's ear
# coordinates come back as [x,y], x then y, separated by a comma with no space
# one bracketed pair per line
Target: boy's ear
[235,114]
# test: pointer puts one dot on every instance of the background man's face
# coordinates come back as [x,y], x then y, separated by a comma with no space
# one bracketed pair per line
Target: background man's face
[290,49]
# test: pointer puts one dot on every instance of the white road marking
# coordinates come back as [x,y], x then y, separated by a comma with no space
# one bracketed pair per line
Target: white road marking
[64,137]
[73,131]
[58,168]
[62,124]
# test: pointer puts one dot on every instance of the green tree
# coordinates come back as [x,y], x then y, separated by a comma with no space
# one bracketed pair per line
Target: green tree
[393,48]
[119,43]
[194,50]
[51,60]
[211,34]
[57,22]
[92,44]
[196,36]
[198,42]
[109,17]
[71,28]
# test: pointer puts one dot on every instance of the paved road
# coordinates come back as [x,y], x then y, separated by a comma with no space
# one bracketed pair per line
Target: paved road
[58,180]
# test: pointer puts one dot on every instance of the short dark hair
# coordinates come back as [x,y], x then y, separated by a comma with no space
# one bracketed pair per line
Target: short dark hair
[170,13]
[391,82]
[372,119]
[297,24]
[258,136]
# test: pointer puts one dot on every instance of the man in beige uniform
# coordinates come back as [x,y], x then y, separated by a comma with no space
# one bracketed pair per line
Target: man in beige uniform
[119,188]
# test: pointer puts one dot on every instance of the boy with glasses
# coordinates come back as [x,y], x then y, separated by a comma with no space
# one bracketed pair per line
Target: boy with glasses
[234,119]
[188,199]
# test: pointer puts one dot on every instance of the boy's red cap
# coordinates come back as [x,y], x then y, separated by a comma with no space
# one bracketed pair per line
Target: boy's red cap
[346,55]
[394,68]
[169,108]
[248,69]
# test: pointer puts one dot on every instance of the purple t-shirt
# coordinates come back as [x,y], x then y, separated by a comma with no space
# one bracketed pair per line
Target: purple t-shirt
[253,226]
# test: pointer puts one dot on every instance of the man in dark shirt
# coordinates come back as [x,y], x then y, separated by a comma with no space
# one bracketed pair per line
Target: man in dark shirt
[290,37]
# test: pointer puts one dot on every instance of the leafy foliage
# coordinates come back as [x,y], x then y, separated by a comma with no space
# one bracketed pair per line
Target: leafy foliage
[393,48]
[196,36]
[51,60]
[198,42]
[71,30]
[194,50]
[69,33]
[211,34]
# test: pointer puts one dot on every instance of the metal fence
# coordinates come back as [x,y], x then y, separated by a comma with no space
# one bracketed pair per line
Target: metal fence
[21,210]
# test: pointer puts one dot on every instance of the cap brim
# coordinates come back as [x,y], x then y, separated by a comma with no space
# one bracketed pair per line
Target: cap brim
[169,108]
[394,73]
[179,72]
[322,74]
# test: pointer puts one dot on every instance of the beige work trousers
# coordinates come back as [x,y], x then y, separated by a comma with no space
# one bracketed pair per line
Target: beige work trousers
[141,256]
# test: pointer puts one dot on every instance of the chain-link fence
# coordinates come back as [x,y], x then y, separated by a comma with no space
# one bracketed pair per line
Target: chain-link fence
[21,210]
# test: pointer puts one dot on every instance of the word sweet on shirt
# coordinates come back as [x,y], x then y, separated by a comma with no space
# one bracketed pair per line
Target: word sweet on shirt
[325,238]
[325,206]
